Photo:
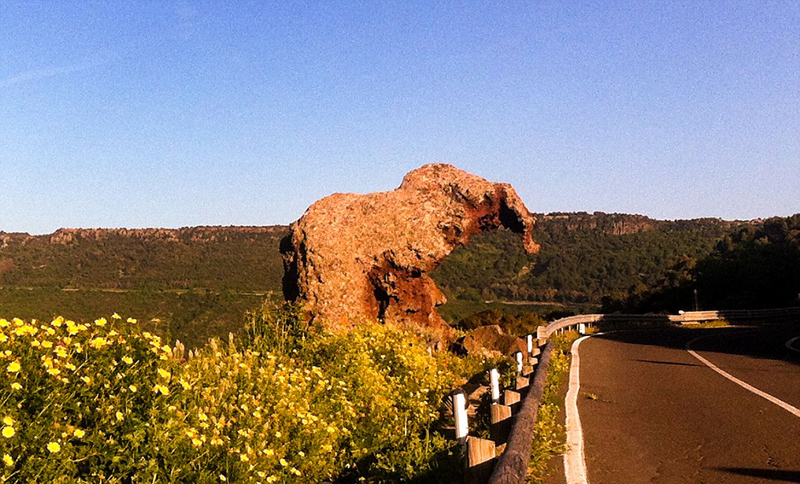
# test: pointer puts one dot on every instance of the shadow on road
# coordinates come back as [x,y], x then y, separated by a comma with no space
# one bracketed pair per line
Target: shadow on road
[764,342]
[774,475]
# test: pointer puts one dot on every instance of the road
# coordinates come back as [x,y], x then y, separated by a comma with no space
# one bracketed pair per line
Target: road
[652,412]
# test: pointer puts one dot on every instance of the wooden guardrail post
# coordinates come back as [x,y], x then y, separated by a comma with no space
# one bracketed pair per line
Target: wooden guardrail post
[511,398]
[512,465]
[541,334]
[481,458]
[500,423]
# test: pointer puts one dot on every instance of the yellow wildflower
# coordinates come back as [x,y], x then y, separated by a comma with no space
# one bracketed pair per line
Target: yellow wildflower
[116,316]
[79,433]
[8,420]
[197,442]
[47,344]
[185,384]
[13,367]
[120,416]
[163,373]
[7,460]
[99,342]
[131,320]
[53,447]
[16,386]
[54,371]
[100,322]
[161,389]
[283,462]
[128,360]
[58,321]
[4,323]
[132,388]
[8,432]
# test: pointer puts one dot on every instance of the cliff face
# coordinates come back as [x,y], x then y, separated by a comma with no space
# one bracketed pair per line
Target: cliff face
[355,257]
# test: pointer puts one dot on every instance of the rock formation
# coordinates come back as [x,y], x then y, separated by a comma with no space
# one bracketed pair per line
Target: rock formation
[354,257]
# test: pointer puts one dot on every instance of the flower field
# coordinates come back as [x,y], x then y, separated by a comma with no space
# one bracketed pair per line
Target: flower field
[106,402]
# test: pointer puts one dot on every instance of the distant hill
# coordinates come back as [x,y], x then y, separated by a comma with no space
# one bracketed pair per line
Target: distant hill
[583,257]
[754,266]
[189,283]
[198,281]
[216,258]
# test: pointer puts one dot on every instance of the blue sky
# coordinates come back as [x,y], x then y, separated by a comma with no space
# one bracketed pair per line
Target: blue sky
[169,114]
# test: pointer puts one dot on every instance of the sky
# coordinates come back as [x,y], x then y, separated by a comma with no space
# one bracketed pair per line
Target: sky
[161,113]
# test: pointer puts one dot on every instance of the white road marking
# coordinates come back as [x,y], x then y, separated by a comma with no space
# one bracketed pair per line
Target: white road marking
[791,342]
[793,410]
[574,459]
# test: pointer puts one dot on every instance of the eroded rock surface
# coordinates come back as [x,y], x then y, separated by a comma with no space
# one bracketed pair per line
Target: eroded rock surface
[354,257]
[491,340]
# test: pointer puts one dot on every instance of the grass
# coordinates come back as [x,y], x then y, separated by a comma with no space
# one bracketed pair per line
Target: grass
[550,437]
[719,323]
[192,316]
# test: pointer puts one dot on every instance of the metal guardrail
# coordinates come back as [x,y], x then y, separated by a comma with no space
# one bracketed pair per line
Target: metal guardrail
[573,322]
[516,419]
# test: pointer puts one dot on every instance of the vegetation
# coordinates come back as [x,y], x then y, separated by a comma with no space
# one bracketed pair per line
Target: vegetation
[195,283]
[755,266]
[550,438]
[583,257]
[516,324]
[189,284]
[106,402]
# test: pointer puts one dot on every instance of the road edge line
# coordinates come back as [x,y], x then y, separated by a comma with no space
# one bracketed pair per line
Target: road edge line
[789,408]
[574,458]
[789,344]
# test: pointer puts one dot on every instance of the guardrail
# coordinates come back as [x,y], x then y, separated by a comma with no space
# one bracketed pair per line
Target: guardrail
[588,320]
[503,459]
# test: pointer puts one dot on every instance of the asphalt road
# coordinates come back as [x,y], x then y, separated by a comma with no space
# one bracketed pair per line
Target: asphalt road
[653,413]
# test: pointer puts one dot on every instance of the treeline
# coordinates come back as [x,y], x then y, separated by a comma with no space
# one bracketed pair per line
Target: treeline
[190,283]
[754,266]
[216,258]
[198,281]
[583,258]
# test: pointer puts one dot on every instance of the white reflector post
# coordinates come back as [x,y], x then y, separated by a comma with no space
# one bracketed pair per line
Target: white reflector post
[582,328]
[529,340]
[460,413]
[518,355]
[494,383]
